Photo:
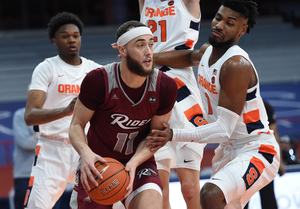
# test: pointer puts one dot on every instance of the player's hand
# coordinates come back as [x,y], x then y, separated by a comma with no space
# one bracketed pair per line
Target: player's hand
[115,46]
[159,137]
[70,108]
[131,169]
[88,161]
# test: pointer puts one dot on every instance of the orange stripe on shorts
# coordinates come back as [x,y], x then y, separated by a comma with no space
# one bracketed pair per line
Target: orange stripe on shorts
[31,181]
[37,150]
[258,164]
[267,149]
[179,83]
[251,117]
[191,112]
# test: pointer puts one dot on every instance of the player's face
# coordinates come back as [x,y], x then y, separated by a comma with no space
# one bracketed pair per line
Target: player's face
[227,28]
[139,57]
[68,41]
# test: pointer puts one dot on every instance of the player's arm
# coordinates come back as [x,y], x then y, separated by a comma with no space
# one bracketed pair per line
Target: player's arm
[193,6]
[144,151]
[78,139]
[236,76]
[180,58]
[141,5]
[35,115]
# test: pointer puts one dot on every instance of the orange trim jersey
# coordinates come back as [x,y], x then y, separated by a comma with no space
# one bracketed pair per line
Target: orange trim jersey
[253,120]
[173,27]
[61,83]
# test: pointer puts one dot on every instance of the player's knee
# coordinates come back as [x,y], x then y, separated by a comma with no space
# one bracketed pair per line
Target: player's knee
[190,190]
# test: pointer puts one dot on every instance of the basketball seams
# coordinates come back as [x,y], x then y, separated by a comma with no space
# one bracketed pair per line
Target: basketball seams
[127,177]
[108,179]
[113,186]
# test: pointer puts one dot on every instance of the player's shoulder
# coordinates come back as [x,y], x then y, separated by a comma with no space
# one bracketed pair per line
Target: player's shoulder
[90,62]
[47,64]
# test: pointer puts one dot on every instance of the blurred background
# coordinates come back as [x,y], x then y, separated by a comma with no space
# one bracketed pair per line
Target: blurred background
[273,46]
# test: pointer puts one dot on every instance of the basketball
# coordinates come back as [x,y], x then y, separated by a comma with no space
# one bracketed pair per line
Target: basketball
[112,187]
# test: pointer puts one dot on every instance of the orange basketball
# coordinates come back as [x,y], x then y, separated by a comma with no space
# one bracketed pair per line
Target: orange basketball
[112,187]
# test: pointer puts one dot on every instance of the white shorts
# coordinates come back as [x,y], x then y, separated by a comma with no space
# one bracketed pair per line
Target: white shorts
[242,170]
[180,155]
[186,113]
[54,166]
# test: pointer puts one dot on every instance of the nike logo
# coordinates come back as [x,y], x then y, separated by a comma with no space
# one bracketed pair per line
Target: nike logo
[216,179]
[104,169]
[61,75]
[101,172]
[187,161]
[202,65]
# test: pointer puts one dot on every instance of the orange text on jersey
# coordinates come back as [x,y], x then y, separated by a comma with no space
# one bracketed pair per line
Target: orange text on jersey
[206,84]
[68,88]
[161,13]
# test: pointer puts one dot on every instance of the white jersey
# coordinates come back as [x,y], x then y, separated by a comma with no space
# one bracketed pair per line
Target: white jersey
[61,82]
[253,120]
[174,28]
[172,25]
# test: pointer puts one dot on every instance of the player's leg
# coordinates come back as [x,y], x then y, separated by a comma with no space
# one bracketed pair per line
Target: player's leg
[147,199]
[163,167]
[147,188]
[46,183]
[164,177]
[239,171]
[190,187]
[188,163]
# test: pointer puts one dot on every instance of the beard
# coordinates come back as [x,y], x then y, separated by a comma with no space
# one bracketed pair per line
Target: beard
[135,67]
[225,44]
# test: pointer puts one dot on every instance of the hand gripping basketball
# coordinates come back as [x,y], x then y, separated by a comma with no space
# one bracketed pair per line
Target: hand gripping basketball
[112,187]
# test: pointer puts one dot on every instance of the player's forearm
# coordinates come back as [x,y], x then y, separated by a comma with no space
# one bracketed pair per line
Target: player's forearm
[78,139]
[36,116]
[176,59]
[142,154]
[216,132]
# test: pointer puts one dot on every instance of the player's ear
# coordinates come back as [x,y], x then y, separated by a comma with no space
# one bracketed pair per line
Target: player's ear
[53,40]
[244,30]
[122,51]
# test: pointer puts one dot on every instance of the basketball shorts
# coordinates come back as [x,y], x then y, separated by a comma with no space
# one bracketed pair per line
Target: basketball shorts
[146,177]
[54,166]
[242,169]
[189,155]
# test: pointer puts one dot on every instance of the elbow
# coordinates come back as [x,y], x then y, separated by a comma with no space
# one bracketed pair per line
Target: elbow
[28,120]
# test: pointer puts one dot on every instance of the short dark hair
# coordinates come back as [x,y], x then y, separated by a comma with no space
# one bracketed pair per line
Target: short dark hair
[247,8]
[63,18]
[127,26]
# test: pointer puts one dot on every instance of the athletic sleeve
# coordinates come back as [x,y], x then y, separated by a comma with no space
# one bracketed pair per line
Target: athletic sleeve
[167,95]
[92,90]
[41,77]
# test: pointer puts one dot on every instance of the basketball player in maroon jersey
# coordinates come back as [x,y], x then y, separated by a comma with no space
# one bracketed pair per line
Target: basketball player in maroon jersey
[123,102]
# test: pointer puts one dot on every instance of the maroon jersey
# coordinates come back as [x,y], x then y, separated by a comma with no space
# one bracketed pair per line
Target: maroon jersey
[119,123]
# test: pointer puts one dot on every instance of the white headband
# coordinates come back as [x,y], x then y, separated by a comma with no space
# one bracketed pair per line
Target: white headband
[133,33]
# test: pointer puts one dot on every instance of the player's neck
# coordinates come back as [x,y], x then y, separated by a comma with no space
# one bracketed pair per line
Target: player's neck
[129,78]
[71,60]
